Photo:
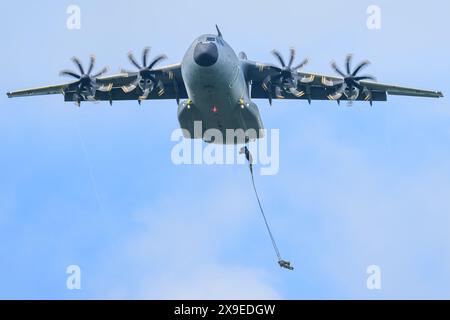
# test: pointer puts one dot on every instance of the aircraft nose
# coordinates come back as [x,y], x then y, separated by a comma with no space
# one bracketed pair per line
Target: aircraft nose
[206,54]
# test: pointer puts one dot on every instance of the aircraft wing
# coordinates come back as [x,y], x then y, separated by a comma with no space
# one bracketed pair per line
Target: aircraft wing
[116,87]
[402,91]
[53,89]
[312,86]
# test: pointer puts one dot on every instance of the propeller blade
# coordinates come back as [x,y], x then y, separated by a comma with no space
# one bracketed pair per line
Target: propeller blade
[133,60]
[292,53]
[105,88]
[100,73]
[91,64]
[145,94]
[130,87]
[338,94]
[279,57]
[77,62]
[296,93]
[361,66]
[301,65]
[308,78]
[365,78]
[69,73]
[161,88]
[278,92]
[266,86]
[77,99]
[368,96]
[127,71]
[79,88]
[348,62]
[336,68]
[157,60]
[145,56]
[91,98]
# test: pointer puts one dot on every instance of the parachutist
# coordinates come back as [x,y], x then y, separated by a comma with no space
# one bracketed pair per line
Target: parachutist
[248,155]
[285,264]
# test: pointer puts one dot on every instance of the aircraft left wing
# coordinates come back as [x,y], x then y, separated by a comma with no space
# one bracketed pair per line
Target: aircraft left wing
[266,84]
[402,91]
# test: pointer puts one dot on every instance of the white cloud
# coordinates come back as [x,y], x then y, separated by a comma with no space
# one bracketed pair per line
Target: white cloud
[373,214]
[178,252]
[212,281]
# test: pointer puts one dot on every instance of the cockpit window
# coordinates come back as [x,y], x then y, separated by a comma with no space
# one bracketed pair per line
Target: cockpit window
[211,39]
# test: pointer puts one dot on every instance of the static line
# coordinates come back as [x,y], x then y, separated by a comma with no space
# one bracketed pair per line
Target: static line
[283,263]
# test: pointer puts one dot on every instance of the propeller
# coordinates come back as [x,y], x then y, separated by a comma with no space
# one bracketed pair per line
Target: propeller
[145,79]
[350,86]
[86,84]
[286,78]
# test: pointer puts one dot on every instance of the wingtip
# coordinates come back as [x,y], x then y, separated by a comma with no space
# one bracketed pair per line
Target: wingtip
[9,94]
[440,94]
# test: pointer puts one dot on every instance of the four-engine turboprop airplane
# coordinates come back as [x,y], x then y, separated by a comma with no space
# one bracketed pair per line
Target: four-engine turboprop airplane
[217,87]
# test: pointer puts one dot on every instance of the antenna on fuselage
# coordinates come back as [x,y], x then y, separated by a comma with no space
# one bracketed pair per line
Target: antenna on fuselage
[219,34]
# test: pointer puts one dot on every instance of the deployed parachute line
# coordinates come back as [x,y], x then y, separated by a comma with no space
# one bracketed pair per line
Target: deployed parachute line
[282,263]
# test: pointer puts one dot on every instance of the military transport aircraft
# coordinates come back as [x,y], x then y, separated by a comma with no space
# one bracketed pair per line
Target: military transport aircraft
[217,87]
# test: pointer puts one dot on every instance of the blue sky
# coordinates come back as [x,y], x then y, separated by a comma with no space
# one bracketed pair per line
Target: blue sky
[95,186]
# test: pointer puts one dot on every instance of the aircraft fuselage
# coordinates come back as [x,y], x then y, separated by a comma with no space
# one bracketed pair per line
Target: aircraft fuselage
[218,93]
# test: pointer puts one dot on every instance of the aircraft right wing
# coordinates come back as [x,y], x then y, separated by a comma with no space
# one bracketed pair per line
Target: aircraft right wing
[122,86]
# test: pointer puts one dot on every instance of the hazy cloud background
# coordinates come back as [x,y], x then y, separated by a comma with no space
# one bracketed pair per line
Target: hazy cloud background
[94,186]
